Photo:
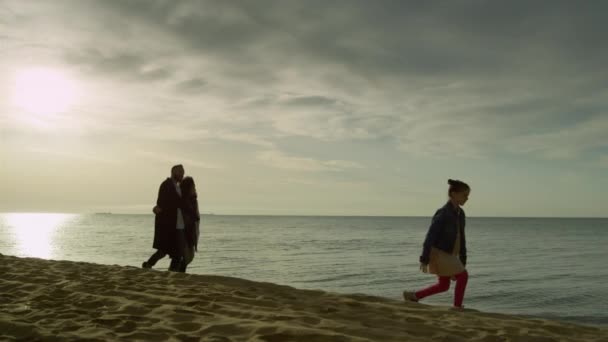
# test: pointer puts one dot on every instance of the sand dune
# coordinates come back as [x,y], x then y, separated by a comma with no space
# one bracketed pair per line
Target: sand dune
[62,300]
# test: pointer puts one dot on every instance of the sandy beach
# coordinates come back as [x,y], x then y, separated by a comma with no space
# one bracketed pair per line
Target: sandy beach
[63,300]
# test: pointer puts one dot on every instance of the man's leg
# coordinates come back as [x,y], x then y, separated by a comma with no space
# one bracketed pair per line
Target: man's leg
[188,257]
[178,261]
[175,263]
[159,254]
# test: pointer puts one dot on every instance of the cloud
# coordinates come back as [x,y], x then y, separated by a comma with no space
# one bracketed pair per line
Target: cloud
[73,155]
[603,161]
[194,85]
[565,143]
[130,64]
[278,159]
[170,159]
[310,101]
[434,79]
[247,138]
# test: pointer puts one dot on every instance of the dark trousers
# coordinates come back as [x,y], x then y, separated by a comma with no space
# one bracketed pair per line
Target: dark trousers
[178,261]
[159,254]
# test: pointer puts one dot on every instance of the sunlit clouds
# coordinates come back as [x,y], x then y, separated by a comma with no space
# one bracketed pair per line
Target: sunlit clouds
[284,101]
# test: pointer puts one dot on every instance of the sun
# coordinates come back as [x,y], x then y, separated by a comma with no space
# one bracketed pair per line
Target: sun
[44,91]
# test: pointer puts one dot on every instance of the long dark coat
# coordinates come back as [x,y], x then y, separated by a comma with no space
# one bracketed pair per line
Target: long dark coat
[165,223]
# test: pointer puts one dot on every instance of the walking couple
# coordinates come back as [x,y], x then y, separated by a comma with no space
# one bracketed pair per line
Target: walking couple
[176,225]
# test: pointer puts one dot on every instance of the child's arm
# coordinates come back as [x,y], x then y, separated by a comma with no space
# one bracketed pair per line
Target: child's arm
[463,245]
[432,235]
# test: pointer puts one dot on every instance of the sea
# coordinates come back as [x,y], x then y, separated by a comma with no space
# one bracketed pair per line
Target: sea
[541,267]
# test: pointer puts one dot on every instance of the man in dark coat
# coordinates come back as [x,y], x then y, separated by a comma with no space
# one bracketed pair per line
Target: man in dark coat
[168,220]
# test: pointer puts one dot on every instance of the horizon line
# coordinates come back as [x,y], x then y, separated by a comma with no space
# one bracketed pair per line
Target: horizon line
[308,215]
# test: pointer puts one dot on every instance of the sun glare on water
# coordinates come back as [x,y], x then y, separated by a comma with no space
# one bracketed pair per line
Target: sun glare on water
[34,232]
[44,91]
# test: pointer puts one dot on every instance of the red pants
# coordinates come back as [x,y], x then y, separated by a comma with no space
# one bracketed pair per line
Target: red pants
[444,285]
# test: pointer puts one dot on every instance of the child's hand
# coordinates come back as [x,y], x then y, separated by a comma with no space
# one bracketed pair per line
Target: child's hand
[424,267]
[157,210]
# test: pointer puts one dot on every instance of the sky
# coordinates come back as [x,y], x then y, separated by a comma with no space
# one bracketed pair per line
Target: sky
[305,107]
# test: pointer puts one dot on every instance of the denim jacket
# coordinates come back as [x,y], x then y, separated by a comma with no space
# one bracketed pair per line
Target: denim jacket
[442,233]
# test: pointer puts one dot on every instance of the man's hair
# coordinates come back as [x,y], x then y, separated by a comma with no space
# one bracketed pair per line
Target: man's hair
[177,166]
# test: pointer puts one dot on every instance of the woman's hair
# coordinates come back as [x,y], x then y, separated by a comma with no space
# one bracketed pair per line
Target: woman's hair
[457,186]
[187,186]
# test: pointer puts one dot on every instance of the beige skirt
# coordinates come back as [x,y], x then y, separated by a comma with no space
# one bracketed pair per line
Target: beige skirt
[444,264]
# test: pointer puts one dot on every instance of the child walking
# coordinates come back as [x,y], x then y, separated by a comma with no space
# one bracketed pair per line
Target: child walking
[444,251]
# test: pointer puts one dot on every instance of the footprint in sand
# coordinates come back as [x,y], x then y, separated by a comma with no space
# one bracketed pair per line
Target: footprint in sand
[107,321]
[187,338]
[126,327]
[310,320]
[187,326]
[329,309]
[279,337]
[216,338]
[135,310]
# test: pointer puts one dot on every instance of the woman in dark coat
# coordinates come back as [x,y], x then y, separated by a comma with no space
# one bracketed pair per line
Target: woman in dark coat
[192,220]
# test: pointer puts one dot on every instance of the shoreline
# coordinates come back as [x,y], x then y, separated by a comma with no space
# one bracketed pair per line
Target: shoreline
[65,300]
